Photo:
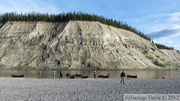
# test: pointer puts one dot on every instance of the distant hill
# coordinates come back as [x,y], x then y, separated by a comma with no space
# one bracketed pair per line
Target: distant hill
[79,45]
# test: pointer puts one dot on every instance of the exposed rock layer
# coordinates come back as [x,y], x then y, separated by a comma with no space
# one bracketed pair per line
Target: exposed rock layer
[79,44]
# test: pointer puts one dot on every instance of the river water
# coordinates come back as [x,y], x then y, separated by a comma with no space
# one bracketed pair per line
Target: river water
[113,73]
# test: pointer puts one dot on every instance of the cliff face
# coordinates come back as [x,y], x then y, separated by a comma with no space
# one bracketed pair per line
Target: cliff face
[78,44]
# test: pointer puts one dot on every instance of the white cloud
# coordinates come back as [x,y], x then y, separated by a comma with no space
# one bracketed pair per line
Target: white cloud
[174,17]
[169,37]
[174,31]
[158,22]
[164,41]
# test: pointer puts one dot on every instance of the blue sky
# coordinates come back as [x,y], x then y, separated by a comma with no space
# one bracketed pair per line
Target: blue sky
[159,19]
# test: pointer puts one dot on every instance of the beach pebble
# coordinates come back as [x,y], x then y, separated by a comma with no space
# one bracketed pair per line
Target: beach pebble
[32,89]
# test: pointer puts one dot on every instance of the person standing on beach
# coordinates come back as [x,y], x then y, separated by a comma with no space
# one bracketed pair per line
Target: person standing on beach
[39,73]
[60,73]
[122,75]
[54,74]
[94,73]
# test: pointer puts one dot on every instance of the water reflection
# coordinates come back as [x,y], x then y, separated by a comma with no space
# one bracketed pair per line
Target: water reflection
[113,73]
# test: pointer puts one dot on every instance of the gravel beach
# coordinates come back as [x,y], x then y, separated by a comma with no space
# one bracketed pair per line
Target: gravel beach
[33,89]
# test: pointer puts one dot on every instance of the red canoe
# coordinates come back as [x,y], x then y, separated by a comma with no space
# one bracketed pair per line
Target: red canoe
[84,76]
[13,75]
[131,76]
[164,77]
[103,76]
[72,76]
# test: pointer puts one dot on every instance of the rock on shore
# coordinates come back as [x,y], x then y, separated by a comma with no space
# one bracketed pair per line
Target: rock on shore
[30,89]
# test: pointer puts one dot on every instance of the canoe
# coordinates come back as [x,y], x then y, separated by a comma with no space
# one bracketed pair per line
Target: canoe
[103,76]
[78,75]
[72,76]
[131,76]
[84,76]
[164,77]
[13,75]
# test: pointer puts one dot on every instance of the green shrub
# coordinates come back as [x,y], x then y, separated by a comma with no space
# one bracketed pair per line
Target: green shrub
[157,56]
[150,57]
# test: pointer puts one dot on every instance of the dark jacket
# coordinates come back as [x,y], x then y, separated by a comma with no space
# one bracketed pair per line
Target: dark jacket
[123,74]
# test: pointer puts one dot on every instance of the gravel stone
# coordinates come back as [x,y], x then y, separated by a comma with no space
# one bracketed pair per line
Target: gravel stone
[33,89]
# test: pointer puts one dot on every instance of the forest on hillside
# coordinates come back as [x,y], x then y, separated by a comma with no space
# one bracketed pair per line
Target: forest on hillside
[65,17]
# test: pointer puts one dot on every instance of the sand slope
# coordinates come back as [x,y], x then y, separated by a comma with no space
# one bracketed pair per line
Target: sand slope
[79,44]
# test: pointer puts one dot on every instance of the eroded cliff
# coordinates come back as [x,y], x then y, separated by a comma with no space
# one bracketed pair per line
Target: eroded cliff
[79,45]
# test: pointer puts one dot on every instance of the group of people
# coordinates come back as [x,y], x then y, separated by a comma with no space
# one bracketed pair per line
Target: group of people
[122,75]
[96,73]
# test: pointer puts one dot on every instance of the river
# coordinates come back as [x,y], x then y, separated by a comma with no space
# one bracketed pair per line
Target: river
[113,73]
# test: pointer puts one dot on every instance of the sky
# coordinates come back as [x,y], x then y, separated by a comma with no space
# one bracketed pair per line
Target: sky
[159,19]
